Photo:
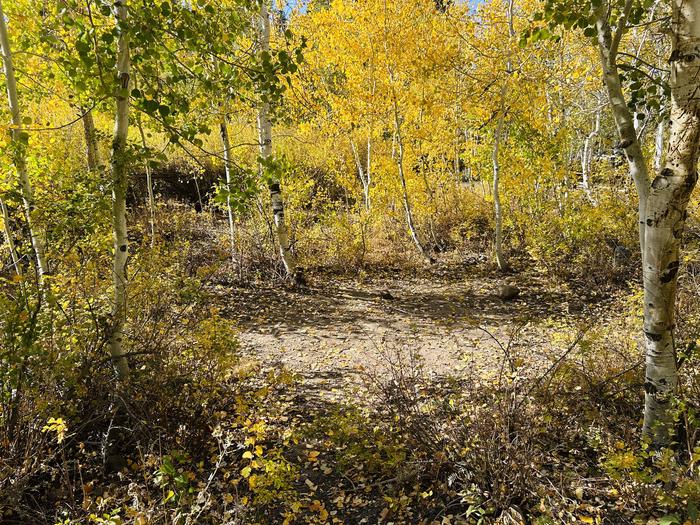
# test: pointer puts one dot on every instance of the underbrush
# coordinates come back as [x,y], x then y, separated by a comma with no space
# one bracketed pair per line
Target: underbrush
[200,434]
[197,436]
[592,241]
[592,244]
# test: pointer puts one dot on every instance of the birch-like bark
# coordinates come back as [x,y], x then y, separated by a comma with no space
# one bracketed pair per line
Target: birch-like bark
[228,169]
[587,155]
[404,190]
[498,212]
[608,46]
[265,139]
[397,148]
[91,149]
[666,212]
[361,173]
[497,209]
[19,147]
[119,186]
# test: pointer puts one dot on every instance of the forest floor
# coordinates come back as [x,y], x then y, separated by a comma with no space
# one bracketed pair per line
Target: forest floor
[364,349]
[340,330]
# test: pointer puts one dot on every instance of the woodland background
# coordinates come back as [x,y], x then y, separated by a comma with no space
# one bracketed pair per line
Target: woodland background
[381,265]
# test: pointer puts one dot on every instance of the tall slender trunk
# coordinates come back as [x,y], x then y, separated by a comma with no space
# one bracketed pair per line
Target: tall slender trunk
[666,212]
[91,149]
[497,209]
[228,168]
[458,134]
[397,148]
[149,185]
[19,148]
[119,165]
[361,173]
[624,122]
[404,190]
[498,212]
[265,139]
[587,155]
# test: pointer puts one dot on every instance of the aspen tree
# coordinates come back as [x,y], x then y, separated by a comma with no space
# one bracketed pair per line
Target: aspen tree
[587,154]
[663,201]
[265,140]
[19,146]
[119,186]
[664,220]
[362,173]
[398,139]
[228,168]
[498,136]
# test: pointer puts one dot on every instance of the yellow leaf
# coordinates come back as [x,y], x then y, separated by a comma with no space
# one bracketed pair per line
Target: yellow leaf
[245,472]
[247,455]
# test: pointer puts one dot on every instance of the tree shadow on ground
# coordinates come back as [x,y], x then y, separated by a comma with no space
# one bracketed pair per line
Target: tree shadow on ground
[348,306]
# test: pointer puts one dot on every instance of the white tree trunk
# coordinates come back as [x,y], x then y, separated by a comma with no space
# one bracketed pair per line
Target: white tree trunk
[404,190]
[228,168]
[19,147]
[361,173]
[607,46]
[497,209]
[119,186]
[498,212]
[265,139]
[666,212]
[587,155]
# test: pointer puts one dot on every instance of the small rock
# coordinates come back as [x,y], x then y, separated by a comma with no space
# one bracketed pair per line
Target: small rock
[507,292]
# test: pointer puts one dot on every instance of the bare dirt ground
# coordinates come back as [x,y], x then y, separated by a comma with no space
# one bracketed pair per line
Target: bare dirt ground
[338,328]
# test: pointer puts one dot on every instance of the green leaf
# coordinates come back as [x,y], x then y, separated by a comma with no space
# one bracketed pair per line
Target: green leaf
[671,519]
[169,496]
[151,106]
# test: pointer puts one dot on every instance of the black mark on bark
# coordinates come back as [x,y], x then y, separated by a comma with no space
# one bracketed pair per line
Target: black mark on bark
[653,337]
[670,272]
[660,183]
